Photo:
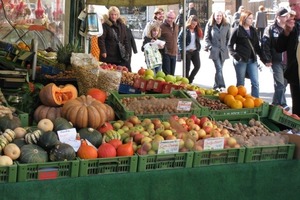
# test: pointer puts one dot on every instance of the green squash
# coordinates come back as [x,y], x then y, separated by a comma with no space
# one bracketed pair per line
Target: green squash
[92,135]
[62,152]
[61,124]
[31,153]
[19,142]
[7,123]
[48,140]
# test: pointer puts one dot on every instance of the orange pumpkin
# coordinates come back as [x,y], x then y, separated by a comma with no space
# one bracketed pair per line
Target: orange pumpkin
[52,95]
[98,94]
[48,112]
[86,151]
[106,150]
[85,111]
[125,149]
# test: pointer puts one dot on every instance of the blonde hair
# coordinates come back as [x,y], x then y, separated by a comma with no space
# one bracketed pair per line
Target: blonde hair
[212,20]
[154,26]
[114,9]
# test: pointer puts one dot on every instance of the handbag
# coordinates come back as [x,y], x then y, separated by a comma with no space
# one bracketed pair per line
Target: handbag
[122,49]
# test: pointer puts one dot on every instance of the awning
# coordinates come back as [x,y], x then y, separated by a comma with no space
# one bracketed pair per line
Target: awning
[133,2]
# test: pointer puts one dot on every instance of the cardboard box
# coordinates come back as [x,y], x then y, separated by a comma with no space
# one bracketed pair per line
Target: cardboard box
[294,138]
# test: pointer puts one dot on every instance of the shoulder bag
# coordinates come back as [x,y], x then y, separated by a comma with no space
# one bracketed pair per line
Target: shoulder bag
[124,54]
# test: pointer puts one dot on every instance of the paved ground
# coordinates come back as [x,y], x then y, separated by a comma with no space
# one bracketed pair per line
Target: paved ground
[205,76]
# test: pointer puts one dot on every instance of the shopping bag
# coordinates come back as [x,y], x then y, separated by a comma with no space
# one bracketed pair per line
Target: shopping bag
[152,55]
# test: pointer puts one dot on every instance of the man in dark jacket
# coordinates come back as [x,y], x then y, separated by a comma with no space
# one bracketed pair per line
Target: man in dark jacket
[288,41]
[274,59]
[191,10]
[108,43]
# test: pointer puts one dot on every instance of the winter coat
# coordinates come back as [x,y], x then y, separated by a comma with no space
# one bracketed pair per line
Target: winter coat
[216,40]
[268,44]
[261,20]
[289,44]
[188,40]
[131,41]
[170,34]
[239,46]
[108,43]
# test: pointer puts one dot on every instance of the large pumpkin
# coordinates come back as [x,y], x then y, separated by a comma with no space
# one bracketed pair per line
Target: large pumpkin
[48,112]
[85,111]
[52,95]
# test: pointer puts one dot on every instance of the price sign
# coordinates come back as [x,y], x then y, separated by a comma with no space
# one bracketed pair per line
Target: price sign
[192,93]
[69,136]
[213,143]
[184,105]
[168,146]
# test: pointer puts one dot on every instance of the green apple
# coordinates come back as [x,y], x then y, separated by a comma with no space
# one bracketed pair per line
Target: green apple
[185,80]
[178,78]
[170,78]
[149,72]
[160,79]
[160,74]
[148,77]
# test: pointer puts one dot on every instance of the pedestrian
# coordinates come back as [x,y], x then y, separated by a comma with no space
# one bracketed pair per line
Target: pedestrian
[274,59]
[114,31]
[130,40]
[191,10]
[216,37]
[159,15]
[228,16]
[169,33]
[179,21]
[261,21]
[151,50]
[192,46]
[244,48]
[236,17]
[288,41]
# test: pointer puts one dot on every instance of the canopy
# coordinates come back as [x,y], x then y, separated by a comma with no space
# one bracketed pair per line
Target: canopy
[133,2]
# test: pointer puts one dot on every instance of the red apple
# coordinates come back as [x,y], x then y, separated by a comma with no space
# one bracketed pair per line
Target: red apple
[207,129]
[138,138]
[202,120]
[208,123]
[201,133]
[142,71]
[194,118]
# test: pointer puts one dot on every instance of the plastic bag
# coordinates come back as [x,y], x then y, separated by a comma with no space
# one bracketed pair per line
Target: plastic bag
[109,80]
[152,56]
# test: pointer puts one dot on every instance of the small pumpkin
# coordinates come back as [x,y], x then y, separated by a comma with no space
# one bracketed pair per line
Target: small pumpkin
[85,111]
[19,142]
[125,149]
[53,95]
[61,123]
[105,127]
[115,142]
[62,152]
[97,94]
[48,112]
[31,153]
[87,151]
[48,140]
[106,150]
[92,135]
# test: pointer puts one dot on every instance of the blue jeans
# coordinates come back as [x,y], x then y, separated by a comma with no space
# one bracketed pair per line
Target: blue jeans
[195,58]
[168,64]
[251,68]
[219,79]
[280,84]
[157,69]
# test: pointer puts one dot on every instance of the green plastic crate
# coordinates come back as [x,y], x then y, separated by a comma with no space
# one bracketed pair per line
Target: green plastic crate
[165,161]
[48,170]
[8,174]
[269,153]
[277,115]
[24,118]
[219,157]
[108,165]
[114,100]
[262,111]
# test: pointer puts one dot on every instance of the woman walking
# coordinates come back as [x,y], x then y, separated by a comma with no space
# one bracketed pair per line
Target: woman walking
[216,37]
[244,47]
[192,46]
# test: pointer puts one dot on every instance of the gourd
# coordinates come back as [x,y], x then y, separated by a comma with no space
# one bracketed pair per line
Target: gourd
[86,151]
[110,113]
[97,94]
[32,137]
[6,137]
[92,135]
[85,111]
[48,112]
[52,95]
[106,150]
[48,140]
[31,153]
[62,152]
[61,124]
[125,149]
[9,123]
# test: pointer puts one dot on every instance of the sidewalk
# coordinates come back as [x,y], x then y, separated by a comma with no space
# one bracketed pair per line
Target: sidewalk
[205,76]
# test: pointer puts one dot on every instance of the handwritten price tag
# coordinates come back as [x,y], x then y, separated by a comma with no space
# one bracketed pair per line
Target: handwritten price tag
[168,146]
[192,93]
[184,105]
[69,136]
[213,143]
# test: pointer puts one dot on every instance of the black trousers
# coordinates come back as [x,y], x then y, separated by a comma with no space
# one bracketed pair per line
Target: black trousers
[194,57]
[295,93]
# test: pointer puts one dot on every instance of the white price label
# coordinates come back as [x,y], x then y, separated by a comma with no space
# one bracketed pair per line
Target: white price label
[184,105]
[69,136]
[213,143]
[192,93]
[168,146]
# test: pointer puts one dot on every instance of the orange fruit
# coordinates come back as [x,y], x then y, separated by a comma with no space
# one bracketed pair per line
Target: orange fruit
[233,90]
[222,96]
[228,98]
[249,96]
[242,90]
[258,102]
[239,97]
[236,104]
[248,103]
